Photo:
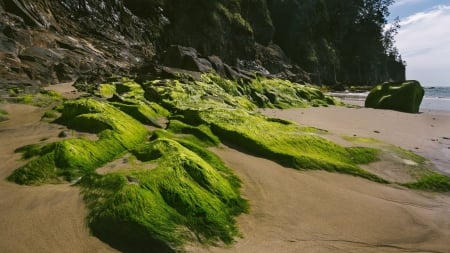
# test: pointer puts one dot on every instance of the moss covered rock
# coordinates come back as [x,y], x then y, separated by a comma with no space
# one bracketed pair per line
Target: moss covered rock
[404,97]
[73,158]
[188,196]
[284,142]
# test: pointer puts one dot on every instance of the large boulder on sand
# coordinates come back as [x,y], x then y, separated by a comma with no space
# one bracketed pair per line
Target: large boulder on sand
[402,96]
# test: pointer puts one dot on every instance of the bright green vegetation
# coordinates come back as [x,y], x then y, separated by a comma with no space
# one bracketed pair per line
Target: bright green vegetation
[128,96]
[276,93]
[285,143]
[359,139]
[407,154]
[189,195]
[72,158]
[202,132]
[3,115]
[213,91]
[431,182]
[42,99]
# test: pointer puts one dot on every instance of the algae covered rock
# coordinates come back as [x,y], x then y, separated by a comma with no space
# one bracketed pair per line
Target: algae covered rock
[190,195]
[404,97]
[76,157]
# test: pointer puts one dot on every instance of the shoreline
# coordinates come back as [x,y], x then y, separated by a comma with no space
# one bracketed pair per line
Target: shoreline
[291,210]
[425,133]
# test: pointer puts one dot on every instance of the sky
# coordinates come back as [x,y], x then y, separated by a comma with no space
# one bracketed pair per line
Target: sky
[423,39]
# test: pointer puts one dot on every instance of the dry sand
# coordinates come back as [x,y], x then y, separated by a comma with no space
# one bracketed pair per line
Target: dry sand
[291,211]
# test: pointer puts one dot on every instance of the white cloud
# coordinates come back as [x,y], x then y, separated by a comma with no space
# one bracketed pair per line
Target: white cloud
[424,42]
[405,2]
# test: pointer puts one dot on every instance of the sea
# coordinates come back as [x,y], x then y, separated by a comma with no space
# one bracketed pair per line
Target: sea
[435,99]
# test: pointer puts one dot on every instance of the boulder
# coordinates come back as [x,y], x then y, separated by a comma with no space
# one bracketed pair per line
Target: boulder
[402,96]
[185,58]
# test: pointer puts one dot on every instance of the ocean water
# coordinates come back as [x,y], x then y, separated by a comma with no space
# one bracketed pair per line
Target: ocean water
[436,98]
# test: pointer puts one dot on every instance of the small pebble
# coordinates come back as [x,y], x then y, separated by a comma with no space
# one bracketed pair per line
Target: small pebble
[376,131]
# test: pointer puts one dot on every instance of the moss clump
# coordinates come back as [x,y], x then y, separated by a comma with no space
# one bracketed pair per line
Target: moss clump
[128,96]
[72,158]
[276,93]
[201,132]
[284,143]
[185,195]
[404,96]
[186,94]
[213,91]
[3,115]
[358,139]
[42,99]
[431,182]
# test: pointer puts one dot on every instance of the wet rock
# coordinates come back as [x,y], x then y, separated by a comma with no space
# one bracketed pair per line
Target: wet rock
[185,58]
[403,96]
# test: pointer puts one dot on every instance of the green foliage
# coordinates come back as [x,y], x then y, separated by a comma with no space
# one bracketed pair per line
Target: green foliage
[186,192]
[431,182]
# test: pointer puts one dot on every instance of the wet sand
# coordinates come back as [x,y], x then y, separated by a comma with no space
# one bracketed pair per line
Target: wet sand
[291,211]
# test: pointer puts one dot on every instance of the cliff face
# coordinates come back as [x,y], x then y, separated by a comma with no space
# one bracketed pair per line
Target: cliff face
[57,41]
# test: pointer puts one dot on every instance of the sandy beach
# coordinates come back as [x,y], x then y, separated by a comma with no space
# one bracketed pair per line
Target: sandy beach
[291,211]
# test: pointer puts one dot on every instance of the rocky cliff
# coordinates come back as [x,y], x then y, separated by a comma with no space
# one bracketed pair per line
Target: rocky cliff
[44,42]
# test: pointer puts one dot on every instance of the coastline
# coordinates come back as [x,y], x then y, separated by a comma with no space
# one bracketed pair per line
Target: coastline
[425,133]
[291,210]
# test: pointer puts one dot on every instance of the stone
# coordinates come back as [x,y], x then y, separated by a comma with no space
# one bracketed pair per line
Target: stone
[185,58]
[401,96]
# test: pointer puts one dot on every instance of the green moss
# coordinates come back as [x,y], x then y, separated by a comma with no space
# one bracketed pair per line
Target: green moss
[42,99]
[106,90]
[358,139]
[3,115]
[284,143]
[201,132]
[431,182]
[276,93]
[185,195]
[128,96]
[404,96]
[409,155]
[73,158]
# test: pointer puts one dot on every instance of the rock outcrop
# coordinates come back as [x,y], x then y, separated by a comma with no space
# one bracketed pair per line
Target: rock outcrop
[403,96]
[45,42]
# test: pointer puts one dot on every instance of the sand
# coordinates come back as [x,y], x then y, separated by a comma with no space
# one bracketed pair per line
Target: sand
[291,211]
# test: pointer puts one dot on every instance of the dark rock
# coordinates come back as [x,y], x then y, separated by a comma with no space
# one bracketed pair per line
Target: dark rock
[405,96]
[185,58]
[217,64]
[64,134]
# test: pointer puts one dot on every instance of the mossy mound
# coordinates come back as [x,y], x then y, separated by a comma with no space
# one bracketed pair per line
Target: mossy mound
[184,197]
[3,115]
[276,93]
[72,158]
[432,181]
[187,94]
[42,99]
[213,91]
[404,97]
[128,96]
[283,142]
